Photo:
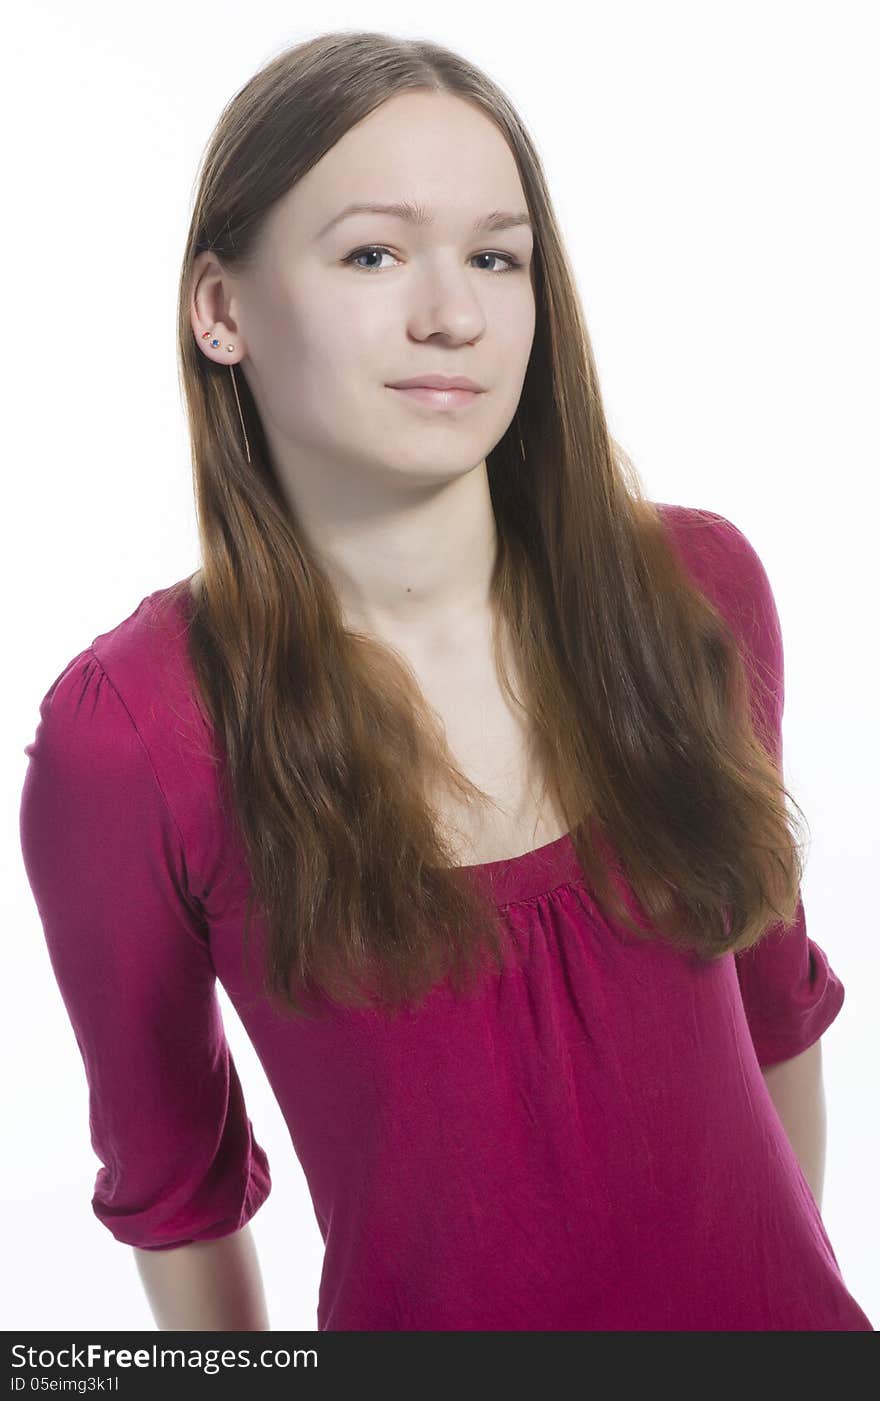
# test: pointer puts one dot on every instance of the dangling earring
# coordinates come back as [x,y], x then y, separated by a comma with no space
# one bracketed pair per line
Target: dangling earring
[206,336]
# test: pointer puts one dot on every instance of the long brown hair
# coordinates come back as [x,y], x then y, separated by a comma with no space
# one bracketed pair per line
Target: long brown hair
[644,718]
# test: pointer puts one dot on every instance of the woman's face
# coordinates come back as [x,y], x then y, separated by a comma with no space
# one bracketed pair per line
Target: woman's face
[323,334]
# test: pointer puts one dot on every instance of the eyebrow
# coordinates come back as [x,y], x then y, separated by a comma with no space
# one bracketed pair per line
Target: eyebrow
[498,220]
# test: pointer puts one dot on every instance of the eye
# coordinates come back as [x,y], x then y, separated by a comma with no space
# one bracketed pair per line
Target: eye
[511,262]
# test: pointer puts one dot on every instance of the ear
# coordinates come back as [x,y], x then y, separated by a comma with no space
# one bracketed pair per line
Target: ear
[214,325]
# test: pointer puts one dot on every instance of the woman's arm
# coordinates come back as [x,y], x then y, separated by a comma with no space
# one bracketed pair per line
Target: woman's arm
[797,1091]
[208,1286]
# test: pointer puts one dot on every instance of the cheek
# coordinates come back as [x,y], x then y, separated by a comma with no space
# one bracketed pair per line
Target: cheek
[344,342]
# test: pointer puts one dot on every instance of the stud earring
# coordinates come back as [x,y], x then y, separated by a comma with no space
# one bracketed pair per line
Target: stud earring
[206,335]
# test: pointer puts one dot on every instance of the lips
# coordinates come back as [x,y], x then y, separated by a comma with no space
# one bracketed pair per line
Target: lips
[438,382]
[439,400]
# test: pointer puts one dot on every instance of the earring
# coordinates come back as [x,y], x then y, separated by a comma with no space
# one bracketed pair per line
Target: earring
[206,336]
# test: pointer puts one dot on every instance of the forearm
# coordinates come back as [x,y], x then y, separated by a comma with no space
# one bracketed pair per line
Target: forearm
[797,1090]
[209,1286]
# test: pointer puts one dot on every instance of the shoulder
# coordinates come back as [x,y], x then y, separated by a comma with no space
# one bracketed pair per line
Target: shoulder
[134,677]
[129,656]
[707,537]
[145,654]
[727,568]
[122,714]
[726,565]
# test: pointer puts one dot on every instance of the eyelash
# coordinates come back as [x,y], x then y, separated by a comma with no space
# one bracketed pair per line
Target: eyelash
[513,263]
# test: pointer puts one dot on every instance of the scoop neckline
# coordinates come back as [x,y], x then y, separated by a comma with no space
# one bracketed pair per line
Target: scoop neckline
[529,874]
[509,878]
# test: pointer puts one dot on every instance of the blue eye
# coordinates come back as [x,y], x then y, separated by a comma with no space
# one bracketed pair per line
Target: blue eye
[512,263]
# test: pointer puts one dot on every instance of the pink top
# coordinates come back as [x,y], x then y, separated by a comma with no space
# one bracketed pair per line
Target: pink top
[587,1144]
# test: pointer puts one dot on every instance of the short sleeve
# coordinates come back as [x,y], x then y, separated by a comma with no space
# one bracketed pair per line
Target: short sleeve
[790,992]
[132,961]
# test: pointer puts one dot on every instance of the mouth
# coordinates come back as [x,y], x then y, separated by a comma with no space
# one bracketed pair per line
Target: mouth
[439,398]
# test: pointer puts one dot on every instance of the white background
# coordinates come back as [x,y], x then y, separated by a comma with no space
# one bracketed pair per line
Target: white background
[713,168]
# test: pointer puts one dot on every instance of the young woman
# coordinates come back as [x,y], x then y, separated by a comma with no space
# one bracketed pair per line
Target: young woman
[458,763]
